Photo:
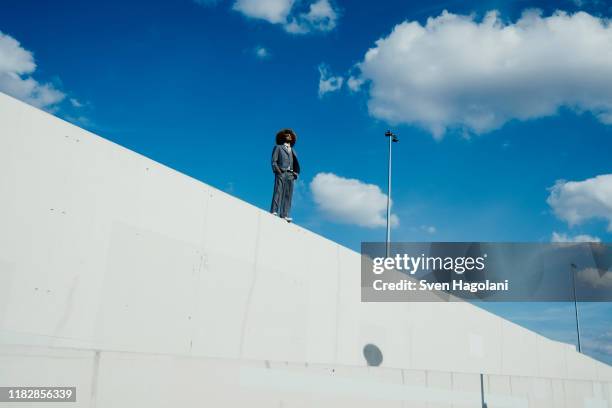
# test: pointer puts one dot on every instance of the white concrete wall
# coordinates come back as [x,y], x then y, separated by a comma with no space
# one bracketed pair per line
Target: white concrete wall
[146,274]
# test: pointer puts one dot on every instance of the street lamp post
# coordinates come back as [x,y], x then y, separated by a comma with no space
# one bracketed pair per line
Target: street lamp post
[392,139]
[573,268]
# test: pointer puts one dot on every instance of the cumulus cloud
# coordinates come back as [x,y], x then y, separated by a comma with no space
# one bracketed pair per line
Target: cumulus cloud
[16,67]
[564,238]
[327,81]
[319,15]
[578,201]
[460,72]
[350,201]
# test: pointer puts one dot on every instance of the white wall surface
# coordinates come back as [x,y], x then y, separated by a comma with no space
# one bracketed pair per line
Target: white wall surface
[105,251]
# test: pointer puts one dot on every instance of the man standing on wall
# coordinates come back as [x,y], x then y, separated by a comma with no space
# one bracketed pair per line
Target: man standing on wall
[286,168]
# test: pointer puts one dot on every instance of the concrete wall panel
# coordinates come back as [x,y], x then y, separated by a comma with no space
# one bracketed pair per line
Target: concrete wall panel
[322,266]
[519,350]
[161,271]
[580,366]
[278,304]
[225,276]
[551,358]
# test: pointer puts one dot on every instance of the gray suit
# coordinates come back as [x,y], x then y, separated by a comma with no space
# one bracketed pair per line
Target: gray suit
[286,168]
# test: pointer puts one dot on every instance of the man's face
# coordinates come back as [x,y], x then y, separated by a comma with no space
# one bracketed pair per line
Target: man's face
[288,138]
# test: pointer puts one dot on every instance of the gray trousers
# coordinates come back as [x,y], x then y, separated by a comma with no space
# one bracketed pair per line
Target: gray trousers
[283,193]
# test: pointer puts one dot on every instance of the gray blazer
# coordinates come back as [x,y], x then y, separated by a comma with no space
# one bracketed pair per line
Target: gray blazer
[282,159]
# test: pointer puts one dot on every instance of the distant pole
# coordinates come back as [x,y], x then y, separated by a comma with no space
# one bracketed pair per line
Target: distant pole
[573,272]
[392,139]
[483,404]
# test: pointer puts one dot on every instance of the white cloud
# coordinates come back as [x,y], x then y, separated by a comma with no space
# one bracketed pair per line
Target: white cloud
[458,72]
[16,67]
[327,81]
[578,201]
[354,83]
[261,52]
[320,14]
[561,237]
[595,278]
[273,11]
[350,201]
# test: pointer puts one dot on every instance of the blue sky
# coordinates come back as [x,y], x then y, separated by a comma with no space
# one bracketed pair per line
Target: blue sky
[488,128]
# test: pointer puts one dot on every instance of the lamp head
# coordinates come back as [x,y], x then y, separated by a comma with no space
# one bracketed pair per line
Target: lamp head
[393,137]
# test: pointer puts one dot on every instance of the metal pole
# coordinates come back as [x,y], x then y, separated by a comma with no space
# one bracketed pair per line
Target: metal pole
[392,139]
[483,404]
[573,272]
[388,134]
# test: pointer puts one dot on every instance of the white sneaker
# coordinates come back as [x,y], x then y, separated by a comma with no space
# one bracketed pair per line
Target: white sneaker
[288,219]
[275,214]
